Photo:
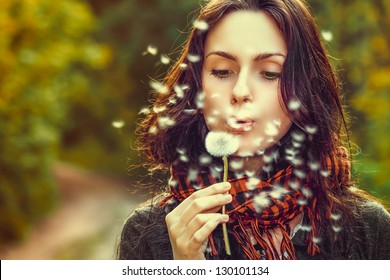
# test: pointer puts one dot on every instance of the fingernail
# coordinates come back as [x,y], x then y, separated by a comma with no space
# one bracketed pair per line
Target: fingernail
[228,197]
[226,186]
[224,218]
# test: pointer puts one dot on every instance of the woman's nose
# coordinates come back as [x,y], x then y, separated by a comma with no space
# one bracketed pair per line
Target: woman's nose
[241,92]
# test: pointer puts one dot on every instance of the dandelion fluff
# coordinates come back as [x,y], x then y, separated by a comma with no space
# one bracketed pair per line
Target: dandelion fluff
[219,143]
[179,91]
[294,105]
[159,109]
[144,111]
[201,25]
[152,49]
[327,35]
[193,58]
[159,87]
[164,59]
[118,123]
[271,129]
[164,122]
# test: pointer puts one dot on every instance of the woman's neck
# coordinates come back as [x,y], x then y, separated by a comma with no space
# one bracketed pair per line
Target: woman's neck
[247,165]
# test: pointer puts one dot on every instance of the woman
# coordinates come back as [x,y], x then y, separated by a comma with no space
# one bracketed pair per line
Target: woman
[260,73]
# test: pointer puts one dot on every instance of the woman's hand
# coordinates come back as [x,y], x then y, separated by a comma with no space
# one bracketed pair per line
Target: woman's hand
[193,220]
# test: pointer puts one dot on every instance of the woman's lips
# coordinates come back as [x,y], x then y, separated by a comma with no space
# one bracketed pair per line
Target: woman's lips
[239,125]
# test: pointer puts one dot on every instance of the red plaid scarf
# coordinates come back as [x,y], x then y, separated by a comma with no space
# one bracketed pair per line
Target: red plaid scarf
[272,204]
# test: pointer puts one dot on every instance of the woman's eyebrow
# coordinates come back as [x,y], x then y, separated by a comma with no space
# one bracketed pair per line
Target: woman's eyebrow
[258,57]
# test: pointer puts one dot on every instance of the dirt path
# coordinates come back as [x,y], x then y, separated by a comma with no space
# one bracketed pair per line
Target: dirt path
[86,223]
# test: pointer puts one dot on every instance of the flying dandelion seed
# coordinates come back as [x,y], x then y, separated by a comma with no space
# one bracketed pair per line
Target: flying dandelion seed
[278,192]
[298,136]
[252,183]
[236,164]
[172,182]
[184,158]
[335,217]
[201,25]
[192,174]
[294,105]
[271,129]
[197,186]
[267,158]
[327,35]
[179,91]
[267,168]
[336,229]
[307,192]
[190,111]
[302,202]
[211,120]
[260,152]
[193,58]
[295,185]
[238,174]
[159,87]
[314,166]
[183,66]
[250,173]
[204,159]
[299,173]
[153,129]
[181,151]
[218,168]
[261,201]
[164,122]
[316,240]
[311,129]
[306,228]
[296,145]
[164,59]
[118,124]
[324,173]
[172,100]
[151,49]
[159,109]
[291,152]
[199,101]
[144,111]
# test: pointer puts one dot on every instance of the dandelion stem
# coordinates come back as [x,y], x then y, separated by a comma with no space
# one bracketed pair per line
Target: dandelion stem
[224,228]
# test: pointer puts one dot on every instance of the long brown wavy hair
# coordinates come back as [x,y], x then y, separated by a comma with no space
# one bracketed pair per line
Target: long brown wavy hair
[307,77]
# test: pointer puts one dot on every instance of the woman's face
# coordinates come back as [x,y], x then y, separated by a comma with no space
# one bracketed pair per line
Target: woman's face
[243,60]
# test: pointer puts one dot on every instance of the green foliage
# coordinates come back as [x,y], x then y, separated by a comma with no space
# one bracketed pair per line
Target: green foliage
[361,43]
[43,45]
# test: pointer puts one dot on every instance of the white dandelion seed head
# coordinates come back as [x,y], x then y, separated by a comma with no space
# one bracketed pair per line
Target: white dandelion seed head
[159,87]
[200,25]
[164,59]
[294,104]
[153,129]
[252,183]
[311,129]
[327,35]
[159,109]
[164,122]
[193,58]
[152,49]
[204,159]
[219,143]
[118,123]
[144,111]
[236,164]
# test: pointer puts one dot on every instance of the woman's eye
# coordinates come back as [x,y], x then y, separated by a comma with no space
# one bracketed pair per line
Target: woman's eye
[221,74]
[270,75]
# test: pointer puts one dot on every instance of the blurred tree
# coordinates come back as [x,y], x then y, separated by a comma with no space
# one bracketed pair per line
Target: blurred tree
[360,40]
[44,45]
